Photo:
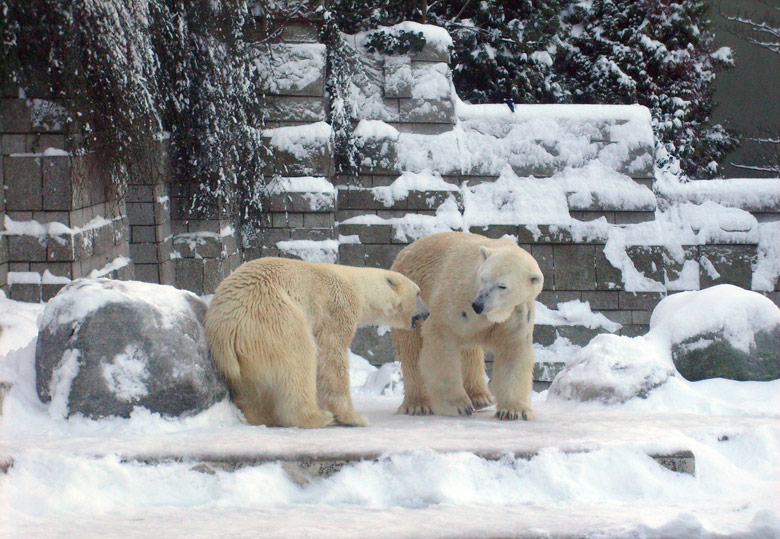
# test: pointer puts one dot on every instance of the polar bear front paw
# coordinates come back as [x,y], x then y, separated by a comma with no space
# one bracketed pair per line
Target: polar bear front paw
[516,413]
[415,409]
[352,419]
[454,407]
[481,401]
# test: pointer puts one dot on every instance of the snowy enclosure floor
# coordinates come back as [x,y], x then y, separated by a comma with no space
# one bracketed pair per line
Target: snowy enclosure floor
[558,428]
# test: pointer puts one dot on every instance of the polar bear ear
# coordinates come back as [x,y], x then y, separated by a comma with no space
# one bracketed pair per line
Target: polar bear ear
[485,252]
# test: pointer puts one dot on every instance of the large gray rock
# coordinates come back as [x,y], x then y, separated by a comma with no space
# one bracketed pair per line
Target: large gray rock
[613,369]
[105,347]
[712,355]
[721,332]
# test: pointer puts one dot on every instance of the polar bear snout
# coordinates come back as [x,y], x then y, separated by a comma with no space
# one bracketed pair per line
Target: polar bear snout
[420,313]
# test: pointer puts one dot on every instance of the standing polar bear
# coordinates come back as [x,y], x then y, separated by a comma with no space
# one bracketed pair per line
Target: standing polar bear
[481,294]
[279,330]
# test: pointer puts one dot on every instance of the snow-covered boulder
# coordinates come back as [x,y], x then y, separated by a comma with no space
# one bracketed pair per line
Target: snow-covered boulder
[613,369]
[721,332]
[105,347]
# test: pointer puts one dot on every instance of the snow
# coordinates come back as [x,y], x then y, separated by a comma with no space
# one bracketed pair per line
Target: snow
[299,140]
[739,313]
[294,66]
[95,293]
[574,313]
[376,129]
[126,375]
[311,250]
[580,469]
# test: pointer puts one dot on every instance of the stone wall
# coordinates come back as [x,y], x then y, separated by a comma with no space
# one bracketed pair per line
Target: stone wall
[575,186]
[60,221]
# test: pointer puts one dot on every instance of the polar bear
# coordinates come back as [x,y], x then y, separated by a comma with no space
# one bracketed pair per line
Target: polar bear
[279,329]
[481,294]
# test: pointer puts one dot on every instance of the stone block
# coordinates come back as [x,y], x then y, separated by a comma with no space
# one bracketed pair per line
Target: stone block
[633,217]
[639,301]
[26,292]
[3,249]
[368,233]
[57,186]
[727,264]
[298,109]
[574,267]
[318,220]
[23,183]
[147,273]
[312,234]
[363,199]
[551,299]
[601,299]
[624,318]
[286,220]
[422,128]
[352,254]
[13,144]
[103,239]
[47,116]
[15,116]
[4,277]
[40,142]
[377,155]
[84,244]
[49,290]
[62,217]
[431,200]
[578,335]
[58,269]
[142,234]
[167,272]
[608,277]
[214,270]
[431,111]
[60,248]
[544,257]
[641,318]
[634,330]
[143,253]
[648,260]
[140,213]
[294,69]
[586,216]
[495,231]
[374,344]
[381,256]
[189,274]
[26,248]
[398,77]
[544,335]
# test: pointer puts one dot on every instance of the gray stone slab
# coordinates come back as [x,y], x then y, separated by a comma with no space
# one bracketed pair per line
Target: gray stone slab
[633,217]
[28,293]
[733,264]
[544,257]
[398,77]
[10,143]
[601,299]
[47,116]
[639,301]
[381,256]
[286,219]
[431,111]
[374,344]
[608,277]
[299,109]
[574,267]
[352,254]
[363,199]
[648,260]
[15,116]
[60,248]
[26,248]
[23,183]
[368,233]
[57,183]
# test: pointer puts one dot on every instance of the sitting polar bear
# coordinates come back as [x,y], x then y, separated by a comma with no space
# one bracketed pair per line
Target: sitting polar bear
[481,294]
[279,330]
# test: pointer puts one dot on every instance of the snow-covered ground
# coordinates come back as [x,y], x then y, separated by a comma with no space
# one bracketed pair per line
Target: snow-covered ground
[591,473]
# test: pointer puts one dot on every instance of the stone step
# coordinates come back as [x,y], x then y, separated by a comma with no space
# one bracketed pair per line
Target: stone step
[306,467]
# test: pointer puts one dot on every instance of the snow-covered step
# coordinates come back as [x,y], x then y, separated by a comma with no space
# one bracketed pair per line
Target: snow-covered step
[306,466]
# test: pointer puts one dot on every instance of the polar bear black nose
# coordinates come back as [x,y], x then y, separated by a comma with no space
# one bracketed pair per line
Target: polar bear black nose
[478,307]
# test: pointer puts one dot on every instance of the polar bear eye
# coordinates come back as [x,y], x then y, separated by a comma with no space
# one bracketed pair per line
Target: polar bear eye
[501,286]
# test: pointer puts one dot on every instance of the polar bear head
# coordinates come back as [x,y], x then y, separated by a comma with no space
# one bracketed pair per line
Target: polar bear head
[391,299]
[507,277]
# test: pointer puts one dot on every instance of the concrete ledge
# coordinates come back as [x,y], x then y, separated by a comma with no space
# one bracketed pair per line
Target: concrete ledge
[306,467]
